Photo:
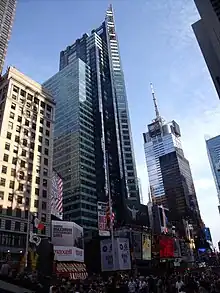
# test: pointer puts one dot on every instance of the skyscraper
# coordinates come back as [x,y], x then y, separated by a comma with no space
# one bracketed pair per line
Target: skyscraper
[26,145]
[170,177]
[7,12]
[207,32]
[213,150]
[93,149]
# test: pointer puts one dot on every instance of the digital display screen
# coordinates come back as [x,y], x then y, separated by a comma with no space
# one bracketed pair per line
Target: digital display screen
[166,247]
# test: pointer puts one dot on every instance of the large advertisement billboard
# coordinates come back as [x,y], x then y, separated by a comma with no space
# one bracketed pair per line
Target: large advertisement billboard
[67,238]
[57,196]
[166,247]
[102,219]
[146,246]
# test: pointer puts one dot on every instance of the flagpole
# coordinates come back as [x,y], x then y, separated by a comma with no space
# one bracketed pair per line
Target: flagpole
[110,210]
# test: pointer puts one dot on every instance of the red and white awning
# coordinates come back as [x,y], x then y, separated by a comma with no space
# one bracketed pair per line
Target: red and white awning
[72,270]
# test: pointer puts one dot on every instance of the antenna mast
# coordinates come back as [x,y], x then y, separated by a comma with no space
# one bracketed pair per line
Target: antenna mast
[155,102]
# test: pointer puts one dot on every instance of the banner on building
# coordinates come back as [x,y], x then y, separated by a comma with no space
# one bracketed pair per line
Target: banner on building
[57,196]
[146,246]
[136,242]
[121,261]
[166,247]
[102,219]
[67,238]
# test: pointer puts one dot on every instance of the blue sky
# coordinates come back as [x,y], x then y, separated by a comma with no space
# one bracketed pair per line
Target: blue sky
[157,45]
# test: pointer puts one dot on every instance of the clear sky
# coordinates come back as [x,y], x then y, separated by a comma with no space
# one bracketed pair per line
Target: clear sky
[157,45]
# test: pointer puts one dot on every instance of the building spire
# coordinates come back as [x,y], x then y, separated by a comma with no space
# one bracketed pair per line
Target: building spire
[155,102]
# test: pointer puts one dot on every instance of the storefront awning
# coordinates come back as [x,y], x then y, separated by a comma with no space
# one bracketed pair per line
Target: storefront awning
[72,270]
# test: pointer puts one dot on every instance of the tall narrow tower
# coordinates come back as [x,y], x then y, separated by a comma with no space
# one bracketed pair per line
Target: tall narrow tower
[170,178]
[7,12]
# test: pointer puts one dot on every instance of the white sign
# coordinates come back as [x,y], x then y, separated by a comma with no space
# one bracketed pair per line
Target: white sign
[122,259]
[64,253]
[67,238]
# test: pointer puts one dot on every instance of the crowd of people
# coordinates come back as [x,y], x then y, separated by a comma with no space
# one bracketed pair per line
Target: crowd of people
[206,281]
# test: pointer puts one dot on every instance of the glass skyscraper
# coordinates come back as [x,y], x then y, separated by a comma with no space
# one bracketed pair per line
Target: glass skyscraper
[7,11]
[213,150]
[93,148]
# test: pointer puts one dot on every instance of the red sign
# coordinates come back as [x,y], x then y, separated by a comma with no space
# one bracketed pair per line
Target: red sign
[166,247]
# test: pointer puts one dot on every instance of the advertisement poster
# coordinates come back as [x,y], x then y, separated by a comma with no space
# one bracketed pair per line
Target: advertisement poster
[136,242]
[122,259]
[67,238]
[146,246]
[56,198]
[102,220]
[166,247]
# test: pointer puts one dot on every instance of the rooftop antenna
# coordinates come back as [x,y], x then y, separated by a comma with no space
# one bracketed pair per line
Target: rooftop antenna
[155,102]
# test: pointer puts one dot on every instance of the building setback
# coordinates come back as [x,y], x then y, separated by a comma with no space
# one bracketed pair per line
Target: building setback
[93,145]
[170,178]
[7,12]
[26,145]
[213,150]
[207,32]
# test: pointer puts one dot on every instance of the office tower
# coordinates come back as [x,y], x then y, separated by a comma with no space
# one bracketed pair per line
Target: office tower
[7,12]
[213,150]
[207,32]
[93,149]
[170,177]
[26,145]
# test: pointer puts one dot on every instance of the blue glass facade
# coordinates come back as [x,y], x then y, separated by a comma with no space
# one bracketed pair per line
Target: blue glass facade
[213,149]
[92,122]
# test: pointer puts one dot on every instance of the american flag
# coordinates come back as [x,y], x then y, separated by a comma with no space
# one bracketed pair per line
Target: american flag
[57,196]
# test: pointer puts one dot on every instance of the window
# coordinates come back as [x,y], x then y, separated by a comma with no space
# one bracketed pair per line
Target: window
[9,211]
[2,181]
[26,132]
[42,104]
[38,158]
[40,138]
[13,172]
[5,158]
[12,184]
[26,212]
[23,93]
[29,97]
[34,126]
[20,187]
[17,139]
[36,203]
[48,124]
[43,217]
[44,193]
[45,172]
[37,180]
[27,122]
[45,161]
[15,149]
[21,176]
[12,115]
[1,195]
[7,224]
[40,148]
[32,145]
[25,227]
[7,146]
[23,163]
[36,100]
[19,199]
[38,169]
[37,191]
[10,197]
[28,113]
[18,212]
[27,201]
[41,129]
[13,106]
[19,119]
[33,135]
[15,89]
[44,205]
[31,156]
[46,142]
[25,142]
[17,226]
[9,135]
[23,153]
[4,169]
[10,125]
[18,128]
[29,177]
[46,151]
[45,182]
[41,120]
[14,161]
[14,97]
[22,101]
[47,133]
[30,167]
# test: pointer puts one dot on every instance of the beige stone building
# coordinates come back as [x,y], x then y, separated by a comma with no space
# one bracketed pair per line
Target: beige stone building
[26,145]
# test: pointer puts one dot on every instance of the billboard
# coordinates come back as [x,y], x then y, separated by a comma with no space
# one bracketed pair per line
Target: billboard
[67,238]
[102,220]
[146,246]
[136,243]
[122,259]
[57,196]
[166,247]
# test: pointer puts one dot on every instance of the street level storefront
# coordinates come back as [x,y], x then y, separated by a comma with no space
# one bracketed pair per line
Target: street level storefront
[71,270]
